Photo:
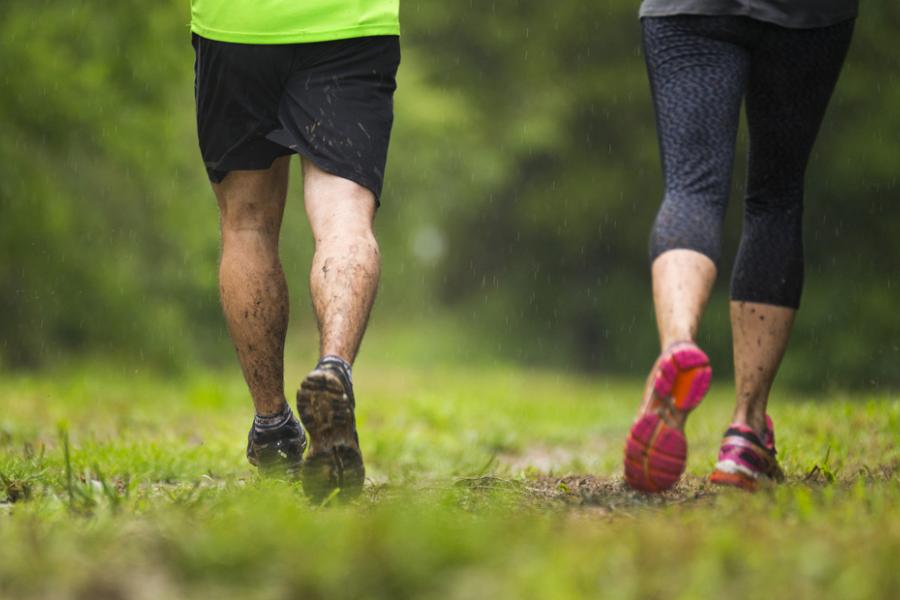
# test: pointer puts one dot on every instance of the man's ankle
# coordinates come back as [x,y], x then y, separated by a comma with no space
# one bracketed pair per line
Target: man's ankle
[276,420]
[332,361]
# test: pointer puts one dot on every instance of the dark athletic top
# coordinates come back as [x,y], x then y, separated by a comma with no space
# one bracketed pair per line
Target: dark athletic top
[798,14]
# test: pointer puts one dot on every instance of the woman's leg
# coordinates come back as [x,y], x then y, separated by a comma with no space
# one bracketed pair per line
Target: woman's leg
[698,71]
[792,76]
[760,335]
[698,68]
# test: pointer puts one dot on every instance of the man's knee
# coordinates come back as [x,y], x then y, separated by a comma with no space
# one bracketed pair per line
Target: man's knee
[251,208]
[249,217]
[357,243]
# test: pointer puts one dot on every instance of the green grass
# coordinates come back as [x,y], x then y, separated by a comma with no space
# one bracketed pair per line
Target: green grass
[485,482]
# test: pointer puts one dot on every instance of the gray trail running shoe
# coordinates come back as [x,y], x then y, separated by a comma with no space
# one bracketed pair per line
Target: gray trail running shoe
[277,453]
[334,461]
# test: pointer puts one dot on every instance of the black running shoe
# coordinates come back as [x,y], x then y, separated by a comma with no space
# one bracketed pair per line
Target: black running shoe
[278,452]
[334,461]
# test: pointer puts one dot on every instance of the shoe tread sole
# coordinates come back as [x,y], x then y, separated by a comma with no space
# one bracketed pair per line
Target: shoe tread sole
[333,459]
[656,447]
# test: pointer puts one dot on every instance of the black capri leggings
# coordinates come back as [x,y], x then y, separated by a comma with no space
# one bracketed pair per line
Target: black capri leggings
[700,68]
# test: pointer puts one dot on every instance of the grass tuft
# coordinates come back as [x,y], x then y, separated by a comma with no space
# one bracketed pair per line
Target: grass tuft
[483,483]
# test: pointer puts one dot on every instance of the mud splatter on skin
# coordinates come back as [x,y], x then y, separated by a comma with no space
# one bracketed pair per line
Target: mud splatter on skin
[252,286]
[344,283]
[761,334]
[257,290]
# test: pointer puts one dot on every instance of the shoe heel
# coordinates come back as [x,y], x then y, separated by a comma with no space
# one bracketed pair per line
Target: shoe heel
[686,379]
[655,454]
[334,460]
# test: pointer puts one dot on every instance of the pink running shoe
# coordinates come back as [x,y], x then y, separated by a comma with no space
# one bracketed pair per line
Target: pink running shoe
[656,449]
[745,459]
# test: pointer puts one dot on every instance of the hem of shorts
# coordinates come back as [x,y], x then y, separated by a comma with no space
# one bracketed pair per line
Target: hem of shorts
[299,147]
[655,253]
[336,170]
[294,37]
[325,165]
[328,166]
[757,299]
[651,13]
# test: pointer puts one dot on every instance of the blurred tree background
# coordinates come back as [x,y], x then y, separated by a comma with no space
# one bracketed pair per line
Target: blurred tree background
[522,181]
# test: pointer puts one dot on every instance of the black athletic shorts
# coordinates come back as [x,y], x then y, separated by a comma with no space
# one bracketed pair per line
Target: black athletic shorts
[330,102]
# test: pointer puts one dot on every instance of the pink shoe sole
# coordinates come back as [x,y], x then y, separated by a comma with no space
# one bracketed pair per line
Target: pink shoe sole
[656,449]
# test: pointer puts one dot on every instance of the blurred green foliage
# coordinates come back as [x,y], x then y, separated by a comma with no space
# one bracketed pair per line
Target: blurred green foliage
[100,243]
[522,182]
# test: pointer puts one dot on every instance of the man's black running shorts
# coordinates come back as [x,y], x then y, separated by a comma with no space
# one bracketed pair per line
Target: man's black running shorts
[331,102]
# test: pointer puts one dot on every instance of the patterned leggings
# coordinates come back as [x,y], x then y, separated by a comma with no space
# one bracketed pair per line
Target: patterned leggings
[700,68]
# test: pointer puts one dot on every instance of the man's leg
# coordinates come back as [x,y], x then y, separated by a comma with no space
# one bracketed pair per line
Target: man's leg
[251,281]
[343,282]
[346,265]
[255,302]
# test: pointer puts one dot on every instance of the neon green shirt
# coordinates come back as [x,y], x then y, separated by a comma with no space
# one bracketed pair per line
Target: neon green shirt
[293,21]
